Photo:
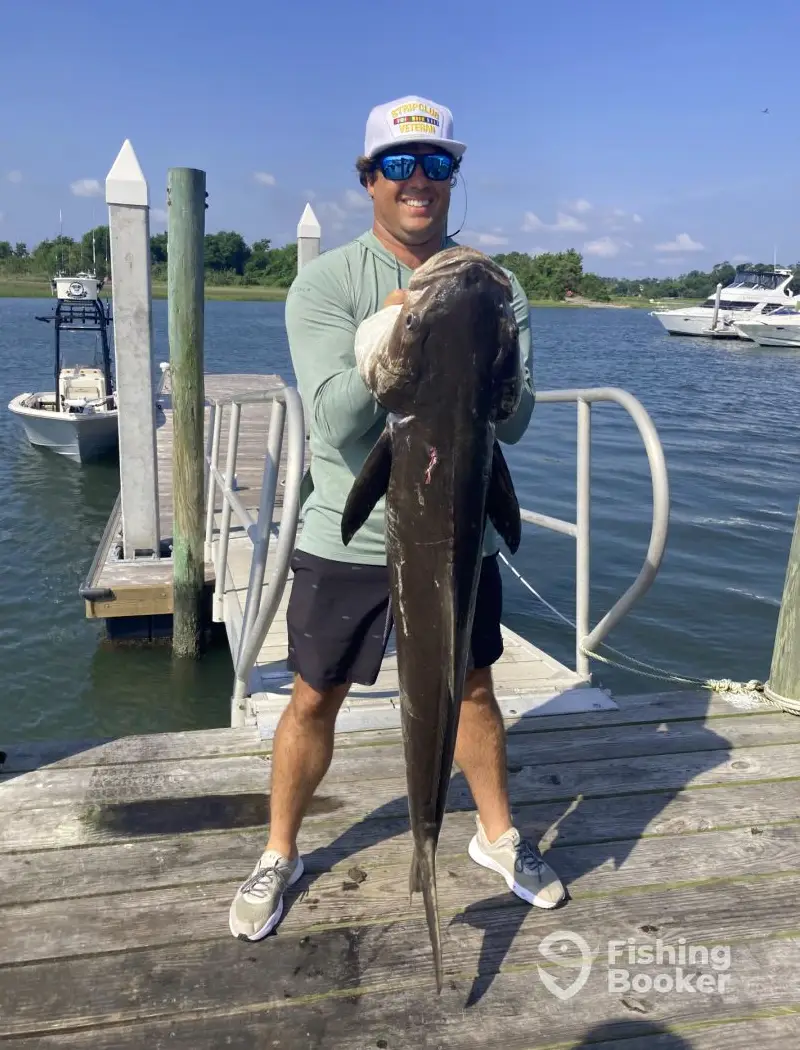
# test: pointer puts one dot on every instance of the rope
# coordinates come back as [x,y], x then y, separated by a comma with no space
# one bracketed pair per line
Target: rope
[752,690]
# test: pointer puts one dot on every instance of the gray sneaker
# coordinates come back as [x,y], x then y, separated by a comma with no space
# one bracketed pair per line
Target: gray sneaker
[258,904]
[522,866]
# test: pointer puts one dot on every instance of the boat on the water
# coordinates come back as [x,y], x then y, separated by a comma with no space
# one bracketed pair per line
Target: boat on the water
[752,294]
[781,328]
[79,418]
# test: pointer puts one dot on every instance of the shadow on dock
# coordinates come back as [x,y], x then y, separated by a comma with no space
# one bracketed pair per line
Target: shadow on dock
[646,1036]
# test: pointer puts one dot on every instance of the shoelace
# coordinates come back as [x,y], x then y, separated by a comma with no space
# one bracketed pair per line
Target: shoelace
[527,859]
[260,883]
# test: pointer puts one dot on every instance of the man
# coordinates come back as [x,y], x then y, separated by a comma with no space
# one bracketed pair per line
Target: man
[338,616]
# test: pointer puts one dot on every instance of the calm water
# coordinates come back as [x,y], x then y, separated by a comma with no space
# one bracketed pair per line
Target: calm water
[728,418]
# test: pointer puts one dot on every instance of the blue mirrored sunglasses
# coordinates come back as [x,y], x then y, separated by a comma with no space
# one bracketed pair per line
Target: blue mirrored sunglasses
[399,166]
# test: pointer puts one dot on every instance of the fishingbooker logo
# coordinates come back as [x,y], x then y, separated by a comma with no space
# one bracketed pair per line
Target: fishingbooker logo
[668,969]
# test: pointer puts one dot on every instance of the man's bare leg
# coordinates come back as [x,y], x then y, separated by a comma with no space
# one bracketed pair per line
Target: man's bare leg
[481,752]
[301,754]
[481,755]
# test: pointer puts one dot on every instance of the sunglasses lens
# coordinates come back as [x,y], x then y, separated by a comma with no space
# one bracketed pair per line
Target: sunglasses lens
[437,166]
[397,167]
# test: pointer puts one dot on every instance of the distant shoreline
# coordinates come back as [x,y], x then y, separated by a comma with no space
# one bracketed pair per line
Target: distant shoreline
[255,293]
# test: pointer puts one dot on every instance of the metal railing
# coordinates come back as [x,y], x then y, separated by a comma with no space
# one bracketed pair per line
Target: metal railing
[286,417]
[586,639]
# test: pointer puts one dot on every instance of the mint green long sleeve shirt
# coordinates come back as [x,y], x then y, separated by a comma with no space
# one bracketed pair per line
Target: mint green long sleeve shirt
[328,300]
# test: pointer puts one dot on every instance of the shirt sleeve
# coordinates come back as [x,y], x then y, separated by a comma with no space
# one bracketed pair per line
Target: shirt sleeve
[321,330]
[510,430]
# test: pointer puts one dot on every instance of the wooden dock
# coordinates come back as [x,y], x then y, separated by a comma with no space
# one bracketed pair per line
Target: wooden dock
[527,679]
[673,816]
[142,589]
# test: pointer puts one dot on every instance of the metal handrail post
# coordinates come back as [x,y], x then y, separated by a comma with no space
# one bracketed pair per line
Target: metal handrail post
[583,533]
[225,526]
[586,640]
[283,552]
[266,509]
[660,525]
[215,428]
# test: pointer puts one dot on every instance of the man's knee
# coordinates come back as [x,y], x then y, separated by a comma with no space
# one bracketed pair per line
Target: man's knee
[479,687]
[309,704]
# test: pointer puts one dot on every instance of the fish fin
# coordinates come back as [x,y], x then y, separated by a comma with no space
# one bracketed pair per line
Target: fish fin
[371,483]
[423,879]
[502,507]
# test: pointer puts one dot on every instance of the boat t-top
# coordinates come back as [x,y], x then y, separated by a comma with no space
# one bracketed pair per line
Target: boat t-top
[752,293]
[79,418]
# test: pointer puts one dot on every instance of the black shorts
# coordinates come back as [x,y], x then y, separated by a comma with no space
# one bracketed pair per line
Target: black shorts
[339,620]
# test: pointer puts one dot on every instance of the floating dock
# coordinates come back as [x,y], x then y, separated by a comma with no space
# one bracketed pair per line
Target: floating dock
[673,820]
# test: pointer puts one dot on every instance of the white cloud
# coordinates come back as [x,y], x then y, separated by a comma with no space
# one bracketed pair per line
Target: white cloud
[605,247]
[740,258]
[159,215]
[14,176]
[354,199]
[264,178]
[487,240]
[87,188]
[581,206]
[491,240]
[331,214]
[567,222]
[531,222]
[682,243]
[618,218]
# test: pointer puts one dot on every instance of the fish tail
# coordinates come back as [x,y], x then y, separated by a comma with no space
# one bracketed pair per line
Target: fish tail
[422,879]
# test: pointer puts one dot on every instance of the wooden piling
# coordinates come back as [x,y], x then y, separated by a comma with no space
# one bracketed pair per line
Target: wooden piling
[309,236]
[128,219]
[185,289]
[783,686]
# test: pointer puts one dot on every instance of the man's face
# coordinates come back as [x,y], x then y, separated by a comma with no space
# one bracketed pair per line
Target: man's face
[413,211]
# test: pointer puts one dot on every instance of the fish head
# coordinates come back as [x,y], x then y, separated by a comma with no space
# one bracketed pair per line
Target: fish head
[456,326]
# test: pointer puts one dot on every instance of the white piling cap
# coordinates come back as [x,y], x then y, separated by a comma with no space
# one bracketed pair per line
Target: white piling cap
[309,224]
[125,183]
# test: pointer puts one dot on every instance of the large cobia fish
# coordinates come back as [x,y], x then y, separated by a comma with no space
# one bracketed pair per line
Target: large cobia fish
[448,369]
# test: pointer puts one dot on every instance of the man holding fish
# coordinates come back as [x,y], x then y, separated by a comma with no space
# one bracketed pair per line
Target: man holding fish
[412,354]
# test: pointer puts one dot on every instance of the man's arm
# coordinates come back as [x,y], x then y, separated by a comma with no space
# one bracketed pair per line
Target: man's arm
[510,430]
[321,334]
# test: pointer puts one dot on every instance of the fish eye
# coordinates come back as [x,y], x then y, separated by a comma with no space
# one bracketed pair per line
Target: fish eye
[412,322]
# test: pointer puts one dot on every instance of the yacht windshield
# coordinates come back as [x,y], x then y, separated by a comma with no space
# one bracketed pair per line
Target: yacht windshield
[755,279]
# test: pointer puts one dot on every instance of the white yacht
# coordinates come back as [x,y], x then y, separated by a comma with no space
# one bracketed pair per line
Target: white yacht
[79,418]
[751,294]
[780,328]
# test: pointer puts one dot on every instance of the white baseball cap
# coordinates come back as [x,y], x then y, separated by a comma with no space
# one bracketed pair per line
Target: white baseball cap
[410,119]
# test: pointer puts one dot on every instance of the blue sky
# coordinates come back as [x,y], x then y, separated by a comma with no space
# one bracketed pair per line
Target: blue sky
[631,132]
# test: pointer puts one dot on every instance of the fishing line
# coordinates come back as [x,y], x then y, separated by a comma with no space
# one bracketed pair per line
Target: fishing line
[460,177]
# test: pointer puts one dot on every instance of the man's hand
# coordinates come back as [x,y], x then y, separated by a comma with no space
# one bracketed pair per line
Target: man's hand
[395,298]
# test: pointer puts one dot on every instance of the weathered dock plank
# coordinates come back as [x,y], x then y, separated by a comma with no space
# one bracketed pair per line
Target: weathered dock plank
[149,841]
[121,939]
[206,743]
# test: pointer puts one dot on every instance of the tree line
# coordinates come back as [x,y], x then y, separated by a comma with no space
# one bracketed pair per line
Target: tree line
[559,275]
[227,256]
[230,260]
